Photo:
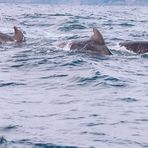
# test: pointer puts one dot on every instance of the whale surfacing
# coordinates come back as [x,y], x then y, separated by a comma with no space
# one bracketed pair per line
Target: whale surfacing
[95,44]
[17,37]
[139,47]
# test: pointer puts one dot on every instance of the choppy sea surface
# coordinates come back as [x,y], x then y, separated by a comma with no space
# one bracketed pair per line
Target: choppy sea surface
[56,98]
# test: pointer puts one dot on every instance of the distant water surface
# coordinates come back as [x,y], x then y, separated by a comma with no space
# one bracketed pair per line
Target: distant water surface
[54,98]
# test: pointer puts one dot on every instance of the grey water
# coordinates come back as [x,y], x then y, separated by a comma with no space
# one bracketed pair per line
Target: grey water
[56,98]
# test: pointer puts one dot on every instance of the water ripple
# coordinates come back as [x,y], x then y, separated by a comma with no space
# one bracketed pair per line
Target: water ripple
[70,27]
[9,127]
[128,99]
[111,81]
[27,143]
[61,98]
[3,84]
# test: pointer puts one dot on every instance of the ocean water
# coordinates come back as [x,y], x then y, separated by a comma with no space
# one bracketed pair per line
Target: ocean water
[56,98]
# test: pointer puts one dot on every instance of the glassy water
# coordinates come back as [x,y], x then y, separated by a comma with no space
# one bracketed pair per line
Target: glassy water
[51,97]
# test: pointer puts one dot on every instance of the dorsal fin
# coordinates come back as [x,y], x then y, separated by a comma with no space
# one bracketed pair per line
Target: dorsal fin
[18,36]
[97,37]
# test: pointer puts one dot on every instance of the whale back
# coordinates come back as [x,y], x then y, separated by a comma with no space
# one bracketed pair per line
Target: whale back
[136,46]
[95,44]
[5,38]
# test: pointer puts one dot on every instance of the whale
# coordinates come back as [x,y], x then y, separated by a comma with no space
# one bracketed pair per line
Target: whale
[17,37]
[139,47]
[95,44]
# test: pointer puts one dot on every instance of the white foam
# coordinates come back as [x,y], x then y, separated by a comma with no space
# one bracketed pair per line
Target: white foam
[119,48]
[68,46]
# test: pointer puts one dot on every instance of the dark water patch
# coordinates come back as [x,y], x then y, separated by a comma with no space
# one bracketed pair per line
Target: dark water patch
[92,25]
[93,115]
[61,14]
[88,55]
[143,21]
[73,21]
[93,133]
[102,141]
[26,51]
[94,57]
[108,24]
[145,55]
[65,102]
[116,39]
[84,17]
[43,61]
[11,84]
[96,79]
[129,99]
[22,60]
[111,81]
[72,37]
[21,57]
[73,110]
[121,24]
[31,102]
[73,118]
[126,24]
[36,24]
[132,142]
[84,132]
[35,16]
[45,116]
[142,120]
[121,122]
[17,65]
[67,95]
[97,134]
[10,18]
[136,135]
[144,145]
[2,141]
[32,16]
[9,127]
[32,64]
[84,81]
[55,76]
[77,62]
[71,27]
[137,35]
[40,145]
[28,143]
[94,124]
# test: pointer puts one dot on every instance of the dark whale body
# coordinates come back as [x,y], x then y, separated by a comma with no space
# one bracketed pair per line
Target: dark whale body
[17,37]
[139,47]
[95,44]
